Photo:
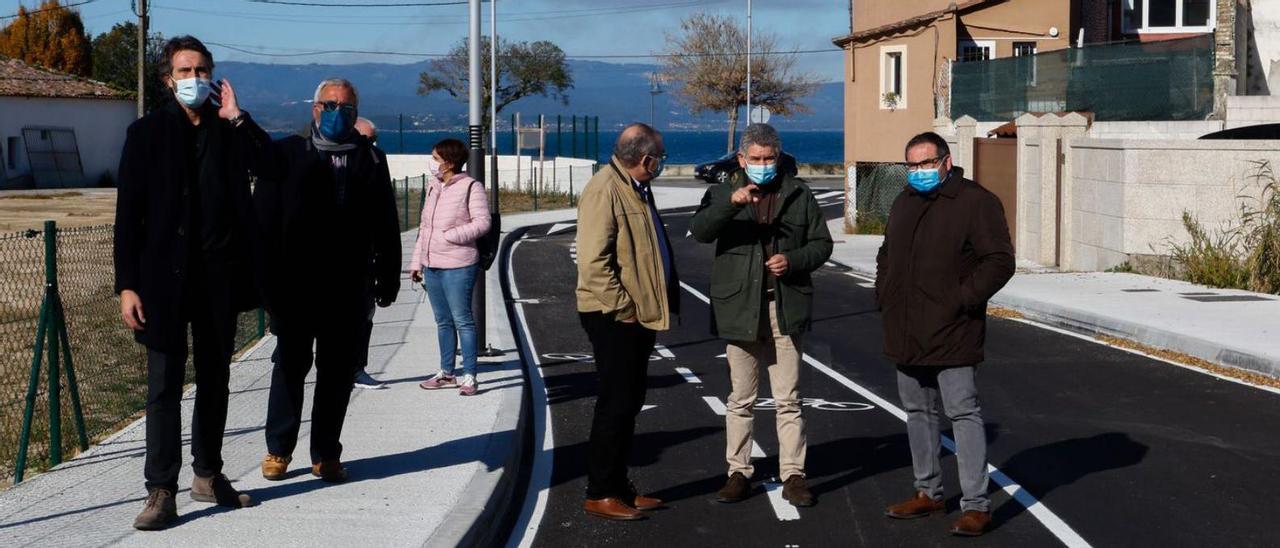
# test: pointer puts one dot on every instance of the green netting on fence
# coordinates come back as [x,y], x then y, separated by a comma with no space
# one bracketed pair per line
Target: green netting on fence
[1134,81]
[878,184]
[109,367]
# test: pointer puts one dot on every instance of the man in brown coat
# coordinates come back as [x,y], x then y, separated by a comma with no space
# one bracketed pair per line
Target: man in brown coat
[628,290]
[946,251]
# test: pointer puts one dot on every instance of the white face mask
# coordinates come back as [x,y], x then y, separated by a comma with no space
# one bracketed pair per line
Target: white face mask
[436,169]
[192,92]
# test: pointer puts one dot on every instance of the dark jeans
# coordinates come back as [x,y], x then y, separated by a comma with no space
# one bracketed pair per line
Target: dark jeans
[622,353]
[335,360]
[366,334]
[212,343]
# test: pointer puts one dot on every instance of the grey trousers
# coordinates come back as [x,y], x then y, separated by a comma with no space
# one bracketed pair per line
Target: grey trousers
[920,387]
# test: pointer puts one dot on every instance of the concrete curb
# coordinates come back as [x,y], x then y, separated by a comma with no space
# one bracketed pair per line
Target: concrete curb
[1090,324]
[482,517]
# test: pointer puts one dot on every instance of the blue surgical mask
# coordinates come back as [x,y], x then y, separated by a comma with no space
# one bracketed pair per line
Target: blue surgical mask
[336,125]
[192,92]
[924,180]
[762,174]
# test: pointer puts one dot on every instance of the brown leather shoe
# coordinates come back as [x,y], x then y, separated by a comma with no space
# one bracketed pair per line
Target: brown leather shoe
[275,467]
[917,507]
[612,508]
[218,489]
[971,524]
[796,491]
[331,471]
[641,502]
[159,512]
[736,489]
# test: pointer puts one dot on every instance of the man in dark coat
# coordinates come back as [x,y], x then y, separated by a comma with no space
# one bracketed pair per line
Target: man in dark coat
[946,252]
[770,235]
[331,239]
[183,235]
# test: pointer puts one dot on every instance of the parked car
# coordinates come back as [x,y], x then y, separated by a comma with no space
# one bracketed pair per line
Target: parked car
[719,170]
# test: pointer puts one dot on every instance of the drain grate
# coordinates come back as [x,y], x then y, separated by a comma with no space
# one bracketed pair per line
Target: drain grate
[1140,290]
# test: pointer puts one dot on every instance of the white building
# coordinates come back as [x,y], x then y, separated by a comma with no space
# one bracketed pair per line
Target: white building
[58,130]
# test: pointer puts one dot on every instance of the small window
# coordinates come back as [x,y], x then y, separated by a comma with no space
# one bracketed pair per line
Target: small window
[976,51]
[1166,16]
[1026,51]
[893,77]
[13,153]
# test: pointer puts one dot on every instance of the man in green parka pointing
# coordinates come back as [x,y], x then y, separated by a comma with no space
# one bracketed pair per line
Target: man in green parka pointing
[769,235]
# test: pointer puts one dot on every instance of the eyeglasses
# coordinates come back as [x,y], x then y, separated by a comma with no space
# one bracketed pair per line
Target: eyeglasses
[926,164]
[330,106]
[660,159]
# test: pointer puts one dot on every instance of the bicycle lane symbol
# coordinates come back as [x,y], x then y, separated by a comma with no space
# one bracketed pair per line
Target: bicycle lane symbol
[582,357]
[769,404]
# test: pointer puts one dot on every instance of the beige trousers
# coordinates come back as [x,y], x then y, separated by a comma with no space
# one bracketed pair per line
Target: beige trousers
[782,354]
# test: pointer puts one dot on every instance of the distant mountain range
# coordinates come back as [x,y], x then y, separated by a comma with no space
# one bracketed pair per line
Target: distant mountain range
[279,95]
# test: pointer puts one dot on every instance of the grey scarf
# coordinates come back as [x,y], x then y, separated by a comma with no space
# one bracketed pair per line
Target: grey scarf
[321,143]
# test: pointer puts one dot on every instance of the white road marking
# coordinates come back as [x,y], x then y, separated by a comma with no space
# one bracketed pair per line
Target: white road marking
[757,452]
[860,277]
[688,375]
[535,500]
[716,405]
[646,407]
[664,352]
[560,227]
[723,356]
[784,510]
[1050,520]
[831,194]
[867,285]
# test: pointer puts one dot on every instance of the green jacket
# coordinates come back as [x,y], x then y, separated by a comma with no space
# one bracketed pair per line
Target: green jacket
[738,273]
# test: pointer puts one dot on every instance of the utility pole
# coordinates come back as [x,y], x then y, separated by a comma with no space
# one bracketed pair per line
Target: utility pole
[140,9]
[748,62]
[475,166]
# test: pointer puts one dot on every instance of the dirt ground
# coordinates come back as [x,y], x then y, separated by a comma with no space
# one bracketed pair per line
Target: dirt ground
[27,209]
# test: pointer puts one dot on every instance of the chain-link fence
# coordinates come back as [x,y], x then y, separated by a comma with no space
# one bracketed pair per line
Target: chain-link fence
[877,185]
[1165,80]
[106,369]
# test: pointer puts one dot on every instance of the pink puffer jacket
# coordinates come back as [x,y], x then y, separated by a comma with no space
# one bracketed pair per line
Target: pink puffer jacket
[452,221]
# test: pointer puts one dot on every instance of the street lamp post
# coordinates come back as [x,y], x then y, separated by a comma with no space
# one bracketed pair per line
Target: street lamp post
[748,62]
[475,167]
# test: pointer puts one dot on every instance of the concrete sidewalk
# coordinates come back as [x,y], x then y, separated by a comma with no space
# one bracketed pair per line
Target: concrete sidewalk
[1226,327]
[423,465]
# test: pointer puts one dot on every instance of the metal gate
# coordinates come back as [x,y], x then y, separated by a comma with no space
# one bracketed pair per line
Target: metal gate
[54,157]
[995,167]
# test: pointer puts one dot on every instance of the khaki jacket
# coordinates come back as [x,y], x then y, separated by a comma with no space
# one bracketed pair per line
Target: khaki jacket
[619,264]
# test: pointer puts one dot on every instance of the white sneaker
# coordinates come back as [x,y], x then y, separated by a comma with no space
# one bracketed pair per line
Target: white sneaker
[363,380]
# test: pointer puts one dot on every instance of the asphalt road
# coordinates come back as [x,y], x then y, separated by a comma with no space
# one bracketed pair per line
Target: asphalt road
[1093,445]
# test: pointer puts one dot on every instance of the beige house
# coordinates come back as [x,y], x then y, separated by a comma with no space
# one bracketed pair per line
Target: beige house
[899,54]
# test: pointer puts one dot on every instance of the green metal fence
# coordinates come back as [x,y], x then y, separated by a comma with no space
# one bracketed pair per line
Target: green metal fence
[1160,81]
[60,320]
[877,185]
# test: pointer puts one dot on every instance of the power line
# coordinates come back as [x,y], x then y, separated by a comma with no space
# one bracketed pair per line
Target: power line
[42,10]
[409,20]
[260,50]
[386,5]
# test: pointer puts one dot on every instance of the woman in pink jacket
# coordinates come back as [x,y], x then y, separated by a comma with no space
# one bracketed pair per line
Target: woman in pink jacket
[445,260]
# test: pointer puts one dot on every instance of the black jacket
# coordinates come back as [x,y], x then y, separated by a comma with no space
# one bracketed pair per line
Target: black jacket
[154,232]
[944,255]
[323,255]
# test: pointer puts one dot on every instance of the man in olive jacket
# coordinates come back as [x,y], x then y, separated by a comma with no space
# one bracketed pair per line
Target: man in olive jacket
[628,290]
[946,251]
[770,235]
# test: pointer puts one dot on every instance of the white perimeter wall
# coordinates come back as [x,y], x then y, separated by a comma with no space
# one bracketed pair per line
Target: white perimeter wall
[514,172]
[1127,196]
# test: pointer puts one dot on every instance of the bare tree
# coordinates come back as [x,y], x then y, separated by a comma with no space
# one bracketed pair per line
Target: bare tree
[708,57]
[524,69]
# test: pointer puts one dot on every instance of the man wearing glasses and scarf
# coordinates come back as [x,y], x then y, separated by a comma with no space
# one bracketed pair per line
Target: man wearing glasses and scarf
[946,251]
[331,238]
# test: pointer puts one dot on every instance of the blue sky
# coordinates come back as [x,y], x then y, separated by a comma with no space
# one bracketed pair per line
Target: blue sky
[580,27]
